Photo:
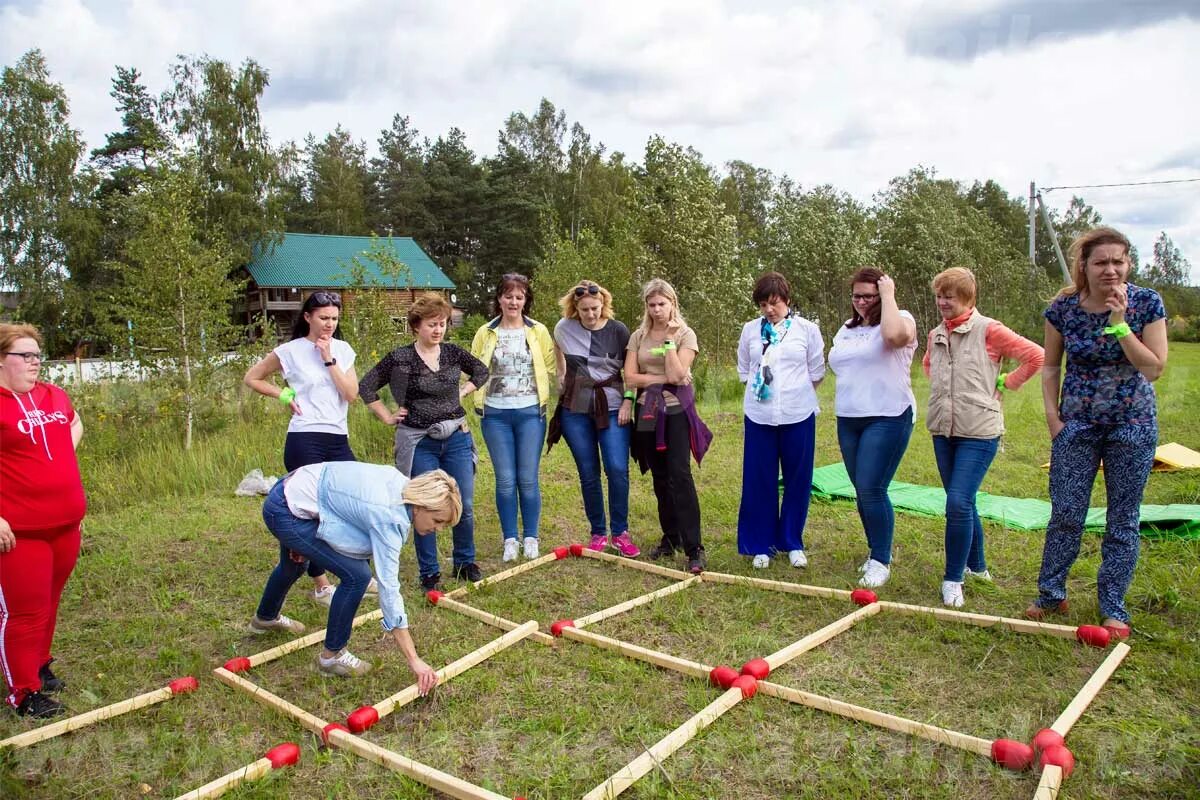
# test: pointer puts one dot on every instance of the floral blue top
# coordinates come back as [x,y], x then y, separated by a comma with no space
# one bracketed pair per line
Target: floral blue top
[1101,385]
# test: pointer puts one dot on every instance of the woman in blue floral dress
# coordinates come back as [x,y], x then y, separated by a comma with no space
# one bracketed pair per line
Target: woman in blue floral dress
[1114,336]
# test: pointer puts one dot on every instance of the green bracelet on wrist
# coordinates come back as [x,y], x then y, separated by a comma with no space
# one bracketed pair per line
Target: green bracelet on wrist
[629,395]
[287,395]
[1120,330]
[1000,381]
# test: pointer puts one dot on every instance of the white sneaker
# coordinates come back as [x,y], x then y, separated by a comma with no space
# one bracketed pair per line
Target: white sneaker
[798,558]
[282,623]
[510,550]
[876,574]
[531,547]
[952,594]
[863,566]
[761,562]
[372,587]
[324,595]
[344,665]
[986,575]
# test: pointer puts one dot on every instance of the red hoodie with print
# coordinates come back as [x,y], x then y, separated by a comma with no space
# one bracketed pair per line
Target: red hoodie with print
[40,485]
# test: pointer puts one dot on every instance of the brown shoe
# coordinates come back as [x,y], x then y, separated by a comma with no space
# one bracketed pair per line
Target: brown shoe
[1036,612]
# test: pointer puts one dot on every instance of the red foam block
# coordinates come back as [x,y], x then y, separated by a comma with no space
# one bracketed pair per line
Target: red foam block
[1094,635]
[239,664]
[723,676]
[747,683]
[1046,738]
[184,685]
[283,755]
[561,552]
[556,628]
[433,595]
[1012,754]
[333,726]
[1059,756]
[757,668]
[362,718]
[864,597]
[576,549]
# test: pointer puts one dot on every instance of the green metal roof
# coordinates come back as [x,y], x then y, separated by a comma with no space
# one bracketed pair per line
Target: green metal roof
[315,260]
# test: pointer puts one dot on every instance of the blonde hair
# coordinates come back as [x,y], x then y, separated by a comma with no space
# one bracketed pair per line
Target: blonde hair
[436,491]
[10,332]
[570,303]
[958,281]
[1081,251]
[657,286]
[427,306]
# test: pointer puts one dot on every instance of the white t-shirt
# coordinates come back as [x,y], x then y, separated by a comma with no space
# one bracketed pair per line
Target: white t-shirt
[511,382]
[323,409]
[300,491]
[796,361]
[873,380]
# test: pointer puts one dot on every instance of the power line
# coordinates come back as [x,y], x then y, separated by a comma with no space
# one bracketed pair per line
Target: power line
[1110,185]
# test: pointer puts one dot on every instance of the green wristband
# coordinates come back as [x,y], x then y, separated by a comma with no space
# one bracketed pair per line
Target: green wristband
[629,395]
[287,395]
[1120,330]
[662,351]
[1000,381]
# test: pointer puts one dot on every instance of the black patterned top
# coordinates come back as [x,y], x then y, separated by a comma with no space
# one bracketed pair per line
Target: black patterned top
[430,397]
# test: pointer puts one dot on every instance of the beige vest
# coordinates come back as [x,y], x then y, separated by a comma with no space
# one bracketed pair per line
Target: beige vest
[963,382]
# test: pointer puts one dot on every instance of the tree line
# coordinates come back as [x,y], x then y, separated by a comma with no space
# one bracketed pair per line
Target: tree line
[133,245]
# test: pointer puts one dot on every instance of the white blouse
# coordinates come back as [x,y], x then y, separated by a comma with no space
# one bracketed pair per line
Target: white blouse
[873,380]
[796,362]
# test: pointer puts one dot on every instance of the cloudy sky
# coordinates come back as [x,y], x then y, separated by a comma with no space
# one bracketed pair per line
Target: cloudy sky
[1061,92]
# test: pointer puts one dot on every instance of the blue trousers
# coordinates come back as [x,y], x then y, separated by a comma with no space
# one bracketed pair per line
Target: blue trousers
[962,463]
[871,450]
[456,455]
[1075,455]
[514,439]
[590,447]
[763,526]
[301,448]
[299,536]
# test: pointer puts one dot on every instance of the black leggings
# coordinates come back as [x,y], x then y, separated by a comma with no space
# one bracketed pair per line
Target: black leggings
[678,505]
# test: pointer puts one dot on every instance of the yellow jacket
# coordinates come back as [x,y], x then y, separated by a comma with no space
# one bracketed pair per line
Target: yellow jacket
[541,346]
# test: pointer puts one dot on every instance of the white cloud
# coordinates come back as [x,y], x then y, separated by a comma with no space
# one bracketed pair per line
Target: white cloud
[850,96]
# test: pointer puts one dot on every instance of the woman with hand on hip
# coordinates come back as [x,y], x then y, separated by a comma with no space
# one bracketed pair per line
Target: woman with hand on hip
[872,358]
[1114,337]
[319,370]
[520,357]
[594,411]
[668,432]
[430,423]
[781,359]
[41,507]
[966,418]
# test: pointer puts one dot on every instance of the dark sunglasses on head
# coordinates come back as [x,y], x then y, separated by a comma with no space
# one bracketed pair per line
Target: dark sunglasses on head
[327,299]
[515,277]
[580,291]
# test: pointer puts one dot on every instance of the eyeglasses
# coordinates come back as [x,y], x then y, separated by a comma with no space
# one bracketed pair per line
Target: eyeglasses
[29,357]
[863,298]
[327,299]
[580,291]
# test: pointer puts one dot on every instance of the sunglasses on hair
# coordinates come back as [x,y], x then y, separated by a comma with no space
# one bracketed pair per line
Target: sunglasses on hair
[580,291]
[327,298]
[514,276]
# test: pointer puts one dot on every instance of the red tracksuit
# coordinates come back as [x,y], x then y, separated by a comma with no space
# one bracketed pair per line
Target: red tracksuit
[41,498]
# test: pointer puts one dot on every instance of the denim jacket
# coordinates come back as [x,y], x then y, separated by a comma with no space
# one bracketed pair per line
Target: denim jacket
[362,516]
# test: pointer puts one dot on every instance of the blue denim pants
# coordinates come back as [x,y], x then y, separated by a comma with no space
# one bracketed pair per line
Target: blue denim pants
[590,446]
[456,455]
[962,463]
[514,439]
[301,448]
[871,450]
[299,536]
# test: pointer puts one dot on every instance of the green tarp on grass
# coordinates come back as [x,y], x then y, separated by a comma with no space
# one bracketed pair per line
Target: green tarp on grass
[1174,521]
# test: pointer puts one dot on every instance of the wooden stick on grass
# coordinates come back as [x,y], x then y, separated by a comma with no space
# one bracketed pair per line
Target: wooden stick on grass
[1050,783]
[445,601]
[505,575]
[1067,719]
[649,597]
[307,640]
[309,721]
[985,620]
[644,566]
[654,657]
[278,757]
[818,638]
[776,586]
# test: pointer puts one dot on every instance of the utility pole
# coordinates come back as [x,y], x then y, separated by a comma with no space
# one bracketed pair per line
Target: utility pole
[1062,262]
[1032,224]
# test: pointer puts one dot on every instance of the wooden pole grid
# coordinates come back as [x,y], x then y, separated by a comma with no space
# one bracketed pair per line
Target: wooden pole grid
[818,638]
[512,572]
[776,586]
[649,597]
[1071,714]
[495,621]
[655,657]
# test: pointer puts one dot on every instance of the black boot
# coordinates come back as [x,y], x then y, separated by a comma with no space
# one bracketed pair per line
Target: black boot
[50,682]
[40,706]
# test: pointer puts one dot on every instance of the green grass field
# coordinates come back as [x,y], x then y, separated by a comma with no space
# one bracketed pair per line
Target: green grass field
[173,564]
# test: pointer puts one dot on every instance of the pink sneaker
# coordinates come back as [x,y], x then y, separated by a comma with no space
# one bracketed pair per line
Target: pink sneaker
[599,542]
[625,546]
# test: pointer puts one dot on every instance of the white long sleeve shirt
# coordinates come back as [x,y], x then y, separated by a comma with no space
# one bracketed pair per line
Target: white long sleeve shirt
[796,362]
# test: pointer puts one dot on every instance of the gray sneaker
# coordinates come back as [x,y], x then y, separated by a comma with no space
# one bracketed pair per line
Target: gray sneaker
[286,624]
[345,665]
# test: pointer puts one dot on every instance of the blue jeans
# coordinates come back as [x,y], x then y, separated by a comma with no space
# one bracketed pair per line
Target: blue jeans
[456,455]
[871,450]
[300,536]
[764,525]
[962,464]
[514,439]
[301,448]
[589,445]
